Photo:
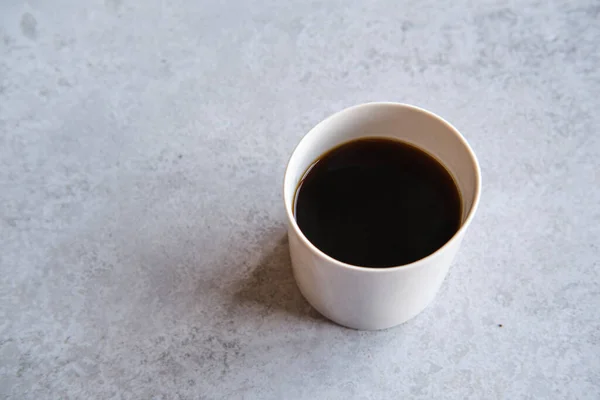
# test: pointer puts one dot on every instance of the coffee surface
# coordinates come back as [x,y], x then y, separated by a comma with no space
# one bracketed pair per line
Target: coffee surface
[377,203]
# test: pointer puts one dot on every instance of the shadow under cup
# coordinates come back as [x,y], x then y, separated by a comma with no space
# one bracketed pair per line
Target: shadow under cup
[368,298]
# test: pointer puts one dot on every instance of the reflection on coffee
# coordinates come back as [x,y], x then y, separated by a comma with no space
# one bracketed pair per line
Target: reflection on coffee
[377,203]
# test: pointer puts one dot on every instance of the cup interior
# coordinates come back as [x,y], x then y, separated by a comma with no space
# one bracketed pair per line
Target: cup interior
[390,120]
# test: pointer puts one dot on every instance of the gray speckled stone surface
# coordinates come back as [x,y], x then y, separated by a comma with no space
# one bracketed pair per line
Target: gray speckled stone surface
[143,249]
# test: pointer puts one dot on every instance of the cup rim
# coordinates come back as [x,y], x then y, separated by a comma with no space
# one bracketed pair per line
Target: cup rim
[415,264]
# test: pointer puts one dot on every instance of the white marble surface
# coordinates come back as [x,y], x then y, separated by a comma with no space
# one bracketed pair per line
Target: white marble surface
[142,148]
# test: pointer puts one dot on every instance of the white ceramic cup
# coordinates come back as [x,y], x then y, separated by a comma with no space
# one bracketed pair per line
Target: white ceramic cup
[378,298]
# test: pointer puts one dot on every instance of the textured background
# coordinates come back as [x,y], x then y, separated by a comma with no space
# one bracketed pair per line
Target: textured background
[142,148]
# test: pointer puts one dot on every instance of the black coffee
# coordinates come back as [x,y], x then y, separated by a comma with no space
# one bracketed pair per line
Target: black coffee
[377,203]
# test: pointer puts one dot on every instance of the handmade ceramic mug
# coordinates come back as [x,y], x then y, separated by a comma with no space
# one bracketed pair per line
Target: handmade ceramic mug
[378,298]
